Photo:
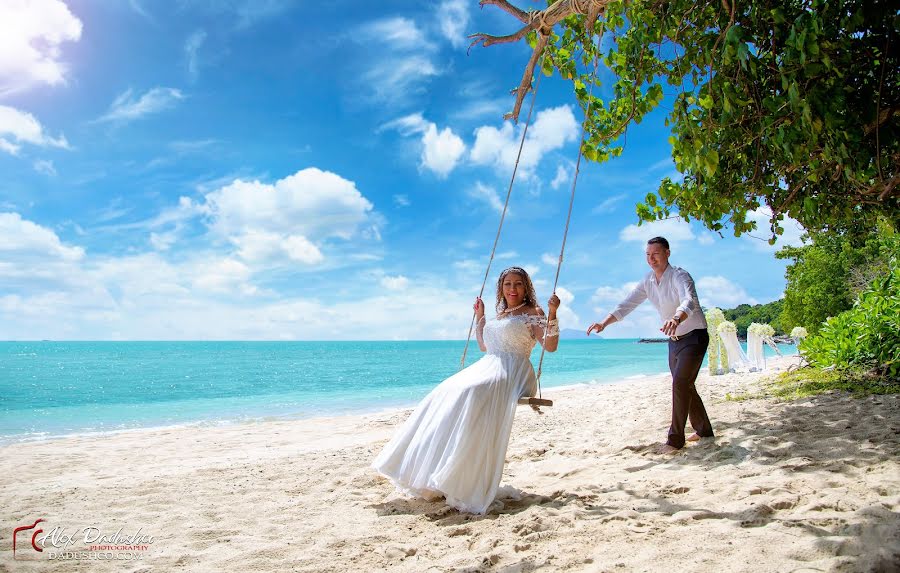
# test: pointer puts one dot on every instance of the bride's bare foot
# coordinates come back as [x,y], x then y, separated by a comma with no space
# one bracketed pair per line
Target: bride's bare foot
[693,437]
[665,449]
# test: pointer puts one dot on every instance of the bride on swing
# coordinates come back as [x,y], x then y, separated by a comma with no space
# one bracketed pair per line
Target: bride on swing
[454,443]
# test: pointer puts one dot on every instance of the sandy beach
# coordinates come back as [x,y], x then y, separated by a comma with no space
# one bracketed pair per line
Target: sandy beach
[808,485]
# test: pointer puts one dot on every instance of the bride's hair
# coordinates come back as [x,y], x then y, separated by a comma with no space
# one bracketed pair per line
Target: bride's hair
[530,295]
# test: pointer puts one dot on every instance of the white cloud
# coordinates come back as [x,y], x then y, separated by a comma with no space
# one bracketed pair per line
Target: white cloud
[314,203]
[401,200]
[206,298]
[549,259]
[258,246]
[488,195]
[8,147]
[191,146]
[706,239]
[285,220]
[608,205]
[191,47]
[45,166]
[480,108]
[251,12]
[396,58]
[20,238]
[666,163]
[407,125]
[163,241]
[31,33]
[58,292]
[612,296]
[127,107]
[721,292]
[22,127]
[288,221]
[224,275]
[468,266]
[453,19]
[552,129]
[565,314]
[562,176]
[397,32]
[441,149]
[398,282]
[184,211]
[395,78]
[565,295]
[674,230]
[139,9]
[791,237]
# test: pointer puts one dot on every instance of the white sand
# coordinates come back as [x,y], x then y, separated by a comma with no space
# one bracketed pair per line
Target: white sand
[810,485]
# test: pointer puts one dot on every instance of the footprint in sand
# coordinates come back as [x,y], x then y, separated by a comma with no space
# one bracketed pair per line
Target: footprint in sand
[756,516]
[526,529]
[782,503]
[759,490]
[633,469]
[676,490]
[728,454]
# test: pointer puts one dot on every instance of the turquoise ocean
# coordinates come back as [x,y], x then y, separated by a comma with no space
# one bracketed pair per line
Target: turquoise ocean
[50,389]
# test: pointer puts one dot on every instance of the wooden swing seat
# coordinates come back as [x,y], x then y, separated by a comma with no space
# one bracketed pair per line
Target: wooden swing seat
[532,401]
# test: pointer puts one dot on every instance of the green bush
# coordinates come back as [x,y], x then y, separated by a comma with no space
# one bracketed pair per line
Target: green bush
[825,277]
[744,315]
[811,381]
[866,336]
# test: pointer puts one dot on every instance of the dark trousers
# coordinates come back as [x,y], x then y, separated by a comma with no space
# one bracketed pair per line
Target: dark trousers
[685,357]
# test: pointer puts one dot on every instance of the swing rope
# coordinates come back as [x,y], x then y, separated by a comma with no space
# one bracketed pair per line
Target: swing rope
[562,250]
[462,361]
[571,203]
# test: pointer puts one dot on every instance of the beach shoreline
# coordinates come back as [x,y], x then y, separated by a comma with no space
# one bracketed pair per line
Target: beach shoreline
[784,486]
[305,411]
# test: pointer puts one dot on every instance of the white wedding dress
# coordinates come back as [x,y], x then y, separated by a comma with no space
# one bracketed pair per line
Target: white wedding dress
[454,443]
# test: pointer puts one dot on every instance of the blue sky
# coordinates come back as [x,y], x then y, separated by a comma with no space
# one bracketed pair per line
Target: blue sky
[204,169]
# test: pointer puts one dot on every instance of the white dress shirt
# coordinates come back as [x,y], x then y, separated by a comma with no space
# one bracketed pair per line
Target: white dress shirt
[674,292]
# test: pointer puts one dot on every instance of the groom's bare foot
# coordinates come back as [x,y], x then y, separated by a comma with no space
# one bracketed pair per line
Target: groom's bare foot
[695,437]
[665,449]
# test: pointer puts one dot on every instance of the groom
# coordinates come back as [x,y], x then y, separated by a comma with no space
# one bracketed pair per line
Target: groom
[671,290]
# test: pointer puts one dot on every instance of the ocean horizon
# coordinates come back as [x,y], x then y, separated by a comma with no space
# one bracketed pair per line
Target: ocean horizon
[57,388]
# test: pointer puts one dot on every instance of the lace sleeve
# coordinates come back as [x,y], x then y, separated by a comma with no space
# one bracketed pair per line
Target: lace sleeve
[538,322]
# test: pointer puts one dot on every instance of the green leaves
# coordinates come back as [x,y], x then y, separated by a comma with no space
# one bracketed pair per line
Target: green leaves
[867,335]
[777,106]
[711,162]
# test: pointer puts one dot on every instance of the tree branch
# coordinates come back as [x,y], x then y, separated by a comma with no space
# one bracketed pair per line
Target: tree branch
[487,40]
[520,15]
[542,22]
[883,116]
[527,75]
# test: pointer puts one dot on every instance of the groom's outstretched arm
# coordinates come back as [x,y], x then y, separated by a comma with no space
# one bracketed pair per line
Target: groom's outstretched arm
[637,295]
